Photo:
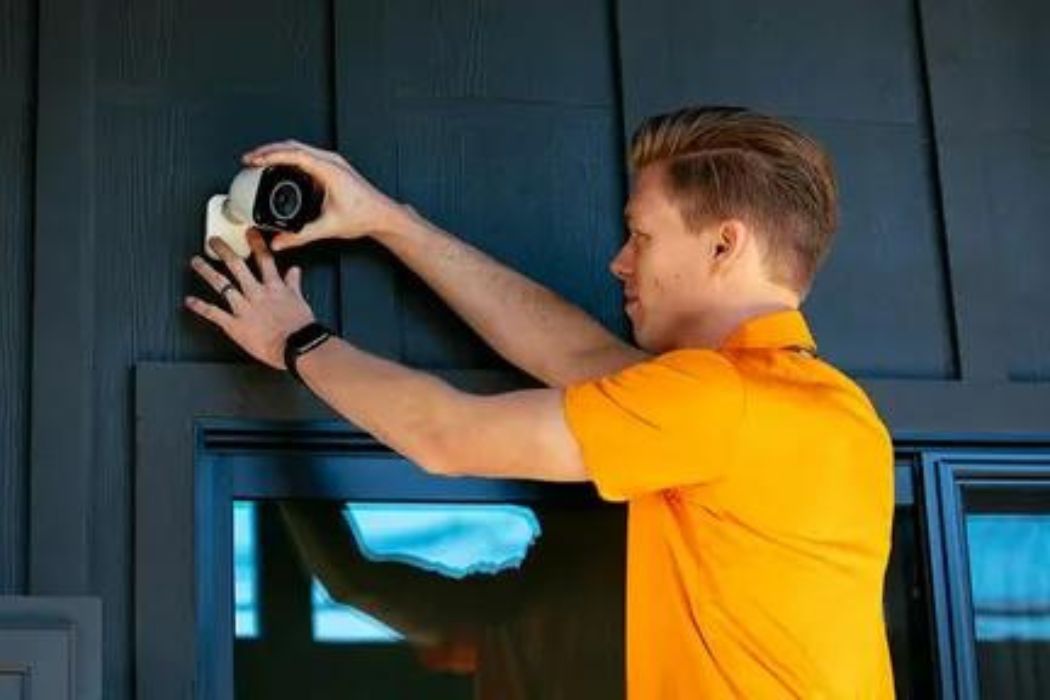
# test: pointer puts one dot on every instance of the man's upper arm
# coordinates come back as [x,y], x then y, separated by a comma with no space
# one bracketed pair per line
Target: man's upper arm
[520,434]
[672,421]
[599,362]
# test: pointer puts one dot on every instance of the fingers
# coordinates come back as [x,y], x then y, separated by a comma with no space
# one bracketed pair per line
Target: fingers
[217,281]
[210,312]
[292,145]
[269,148]
[263,257]
[266,148]
[293,278]
[248,284]
[307,162]
[321,165]
[284,241]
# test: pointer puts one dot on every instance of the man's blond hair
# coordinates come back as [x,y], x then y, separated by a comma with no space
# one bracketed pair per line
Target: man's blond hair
[728,162]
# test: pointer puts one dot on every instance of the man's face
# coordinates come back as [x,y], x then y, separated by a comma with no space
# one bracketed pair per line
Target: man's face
[666,268]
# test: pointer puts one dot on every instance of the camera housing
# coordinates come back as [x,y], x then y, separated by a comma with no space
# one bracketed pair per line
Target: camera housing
[270,198]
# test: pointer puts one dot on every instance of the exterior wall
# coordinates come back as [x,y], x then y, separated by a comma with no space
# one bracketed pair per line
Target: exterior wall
[17,63]
[505,122]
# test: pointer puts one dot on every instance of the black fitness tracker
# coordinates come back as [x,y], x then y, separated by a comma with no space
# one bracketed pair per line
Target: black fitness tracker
[301,342]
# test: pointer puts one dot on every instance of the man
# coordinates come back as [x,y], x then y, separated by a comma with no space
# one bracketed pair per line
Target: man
[759,478]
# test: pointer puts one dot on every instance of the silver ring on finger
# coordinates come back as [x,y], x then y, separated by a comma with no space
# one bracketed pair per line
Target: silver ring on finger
[228,287]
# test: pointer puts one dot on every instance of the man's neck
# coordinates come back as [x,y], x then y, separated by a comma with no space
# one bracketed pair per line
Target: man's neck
[714,327]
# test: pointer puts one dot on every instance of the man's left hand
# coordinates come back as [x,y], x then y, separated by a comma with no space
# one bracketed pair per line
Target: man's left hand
[262,313]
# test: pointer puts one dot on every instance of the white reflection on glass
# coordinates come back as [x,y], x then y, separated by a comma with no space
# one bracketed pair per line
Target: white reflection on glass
[454,540]
[246,619]
[335,622]
[1010,576]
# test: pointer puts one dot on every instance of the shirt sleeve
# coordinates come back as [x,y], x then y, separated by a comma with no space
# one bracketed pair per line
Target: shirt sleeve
[666,422]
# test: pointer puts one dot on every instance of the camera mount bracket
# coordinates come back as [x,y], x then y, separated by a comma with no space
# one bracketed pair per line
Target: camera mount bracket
[219,224]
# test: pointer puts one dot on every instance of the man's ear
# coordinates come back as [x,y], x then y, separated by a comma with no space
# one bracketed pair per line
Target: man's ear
[729,240]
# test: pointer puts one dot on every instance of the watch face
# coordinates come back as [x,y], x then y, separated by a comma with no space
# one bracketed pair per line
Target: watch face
[307,338]
[303,341]
[287,199]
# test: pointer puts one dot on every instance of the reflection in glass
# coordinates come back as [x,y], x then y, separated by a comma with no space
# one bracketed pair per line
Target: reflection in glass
[1008,552]
[452,540]
[334,622]
[1010,576]
[245,620]
[457,600]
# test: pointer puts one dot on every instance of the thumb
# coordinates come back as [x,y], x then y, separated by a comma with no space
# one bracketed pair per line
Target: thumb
[285,240]
[293,278]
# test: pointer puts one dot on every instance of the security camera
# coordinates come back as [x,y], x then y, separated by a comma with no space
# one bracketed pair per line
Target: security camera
[271,198]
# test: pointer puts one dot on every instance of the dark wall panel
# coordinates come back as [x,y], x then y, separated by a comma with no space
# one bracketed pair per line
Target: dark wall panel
[17,102]
[851,75]
[1019,169]
[183,90]
[991,103]
[498,120]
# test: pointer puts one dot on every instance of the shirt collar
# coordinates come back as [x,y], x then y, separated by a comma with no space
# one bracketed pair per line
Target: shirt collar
[779,329]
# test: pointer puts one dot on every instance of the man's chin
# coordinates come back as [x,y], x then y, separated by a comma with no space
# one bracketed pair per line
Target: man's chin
[642,339]
[652,343]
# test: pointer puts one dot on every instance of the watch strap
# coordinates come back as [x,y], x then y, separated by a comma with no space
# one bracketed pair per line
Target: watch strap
[301,342]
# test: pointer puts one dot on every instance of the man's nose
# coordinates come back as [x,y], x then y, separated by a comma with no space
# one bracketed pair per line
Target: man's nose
[620,265]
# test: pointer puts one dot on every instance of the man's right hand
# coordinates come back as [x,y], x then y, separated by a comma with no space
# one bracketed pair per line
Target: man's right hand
[353,207]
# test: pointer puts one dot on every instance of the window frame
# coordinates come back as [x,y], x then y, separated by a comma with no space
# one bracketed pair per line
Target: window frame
[207,435]
[946,475]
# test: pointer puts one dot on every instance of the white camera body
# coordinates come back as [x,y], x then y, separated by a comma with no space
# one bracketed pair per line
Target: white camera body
[219,223]
[271,198]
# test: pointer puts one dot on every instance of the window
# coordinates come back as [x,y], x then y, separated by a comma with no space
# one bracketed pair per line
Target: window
[989,521]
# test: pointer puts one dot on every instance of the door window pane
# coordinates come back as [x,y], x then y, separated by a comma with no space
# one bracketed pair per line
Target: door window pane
[1008,541]
[436,600]
[452,540]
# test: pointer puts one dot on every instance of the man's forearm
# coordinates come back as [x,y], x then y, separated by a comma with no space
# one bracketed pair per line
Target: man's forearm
[518,434]
[528,324]
[403,408]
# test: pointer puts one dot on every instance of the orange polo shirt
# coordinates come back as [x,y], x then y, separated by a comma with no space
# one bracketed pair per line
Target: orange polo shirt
[760,489]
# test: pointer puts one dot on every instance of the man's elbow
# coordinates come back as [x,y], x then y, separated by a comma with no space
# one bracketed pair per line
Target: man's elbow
[443,455]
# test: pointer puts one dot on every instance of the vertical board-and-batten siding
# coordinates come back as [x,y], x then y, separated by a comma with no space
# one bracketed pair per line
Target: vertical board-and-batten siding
[63,408]
[500,121]
[988,66]
[17,111]
[505,123]
[179,91]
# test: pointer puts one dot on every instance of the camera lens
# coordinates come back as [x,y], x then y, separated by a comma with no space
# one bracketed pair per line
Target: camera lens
[285,199]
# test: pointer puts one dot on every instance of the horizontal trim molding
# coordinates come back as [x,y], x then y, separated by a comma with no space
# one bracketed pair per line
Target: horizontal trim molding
[914,410]
[963,411]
